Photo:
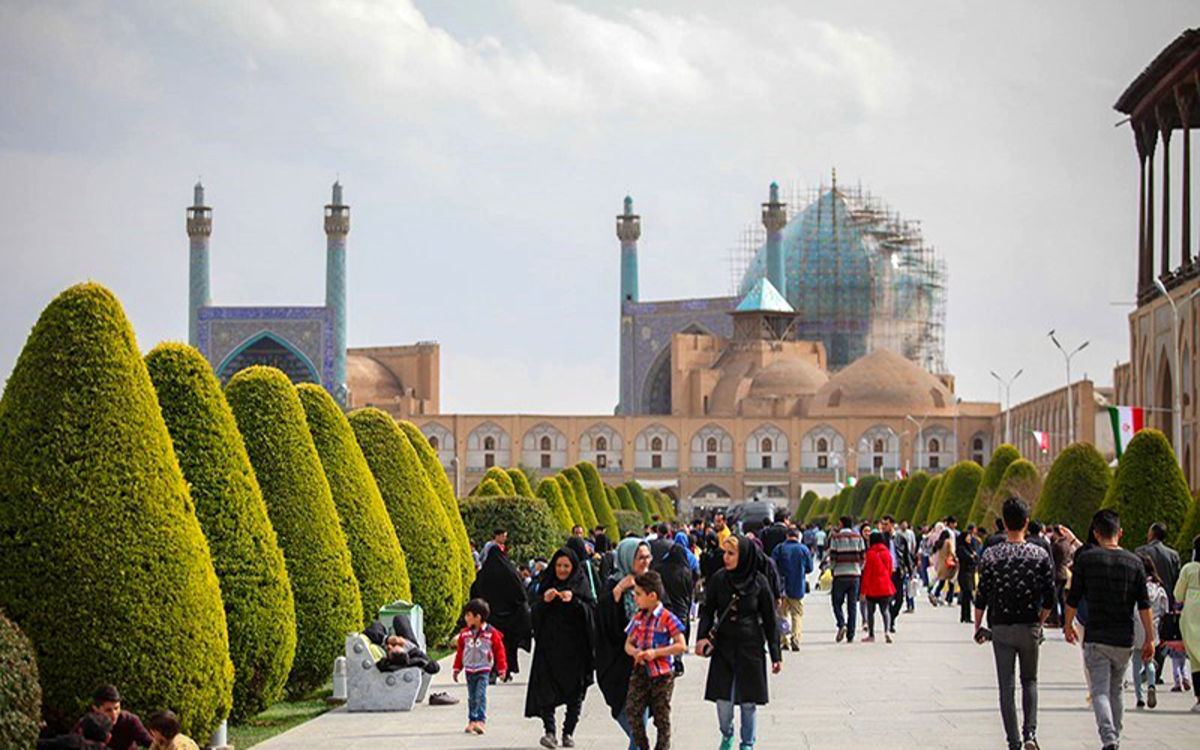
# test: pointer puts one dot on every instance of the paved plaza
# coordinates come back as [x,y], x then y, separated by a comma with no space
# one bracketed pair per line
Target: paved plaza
[932,688]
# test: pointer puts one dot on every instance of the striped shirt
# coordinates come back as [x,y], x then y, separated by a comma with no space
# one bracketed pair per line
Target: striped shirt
[847,553]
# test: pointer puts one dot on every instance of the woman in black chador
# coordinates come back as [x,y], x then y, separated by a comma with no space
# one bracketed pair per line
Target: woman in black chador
[563,631]
[615,605]
[739,608]
[499,584]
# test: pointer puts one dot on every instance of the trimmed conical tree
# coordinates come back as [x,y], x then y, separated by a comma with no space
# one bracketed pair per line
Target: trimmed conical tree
[844,503]
[549,491]
[805,504]
[489,488]
[20,693]
[993,473]
[1022,479]
[666,504]
[520,483]
[1074,489]
[599,498]
[328,605]
[581,496]
[909,496]
[1148,487]
[375,553]
[445,492]
[568,493]
[255,589]
[1190,529]
[885,497]
[417,514]
[654,500]
[891,503]
[862,492]
[639,499]
[923,514]
[614,502]
[873,499]
[957,490]
[624,498]
[502,480]
[104,565]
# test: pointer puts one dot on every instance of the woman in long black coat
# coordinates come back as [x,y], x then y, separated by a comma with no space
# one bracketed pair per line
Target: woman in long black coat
[563,631]
[614,608]
[679,582]
[499,584]
[738,603]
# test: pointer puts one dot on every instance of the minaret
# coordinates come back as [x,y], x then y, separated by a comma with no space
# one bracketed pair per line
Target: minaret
[337,226]
[629,229]
[199,229]
[774,218]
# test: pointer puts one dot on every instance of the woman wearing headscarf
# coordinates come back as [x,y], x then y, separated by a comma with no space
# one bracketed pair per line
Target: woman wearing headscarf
[563,629]
[679,582]
[711,559]
[587,565]
[499,584]
[614,607]
[947,563]
[737,619]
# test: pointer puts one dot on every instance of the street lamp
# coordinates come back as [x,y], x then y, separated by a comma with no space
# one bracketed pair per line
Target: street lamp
[920,435]
[1177,417]
[1070,401]
[1007,385]
[957,408]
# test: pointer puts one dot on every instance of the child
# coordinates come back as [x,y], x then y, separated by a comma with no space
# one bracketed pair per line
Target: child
[654,637]
[480,648]
[164,728]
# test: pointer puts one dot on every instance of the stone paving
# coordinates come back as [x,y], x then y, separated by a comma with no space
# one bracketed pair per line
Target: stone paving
[932,688]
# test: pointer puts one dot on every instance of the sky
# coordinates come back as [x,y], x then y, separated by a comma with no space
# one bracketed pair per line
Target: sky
[485,148]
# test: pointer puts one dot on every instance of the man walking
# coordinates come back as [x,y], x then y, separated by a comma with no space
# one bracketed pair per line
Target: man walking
[846,554]
[1016,591]
[1112,581]
[902,563]
[774,535]
[795,563]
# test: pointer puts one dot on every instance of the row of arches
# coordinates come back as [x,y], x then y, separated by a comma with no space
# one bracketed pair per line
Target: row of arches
[711,448]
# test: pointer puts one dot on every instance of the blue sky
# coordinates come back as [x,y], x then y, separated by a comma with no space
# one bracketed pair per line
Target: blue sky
[486,147]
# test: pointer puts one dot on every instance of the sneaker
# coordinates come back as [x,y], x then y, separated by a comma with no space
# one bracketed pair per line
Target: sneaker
[727,743]
[442,699]
[568,741]
[1176,689]
[1141,704]
[1031,744]
[869,639]
[548,740]
[887,637]
[1151,697]
[841,635]
[795,646]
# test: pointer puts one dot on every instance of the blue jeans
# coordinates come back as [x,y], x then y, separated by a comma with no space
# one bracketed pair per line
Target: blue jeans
[725,718]
[623,722]
[845,590]
[477,685]
[1142,671]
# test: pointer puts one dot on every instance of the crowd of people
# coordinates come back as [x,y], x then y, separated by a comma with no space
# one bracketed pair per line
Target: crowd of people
[107,725]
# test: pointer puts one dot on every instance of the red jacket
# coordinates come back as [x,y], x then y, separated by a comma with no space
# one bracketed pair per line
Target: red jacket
[480,651]
[877,573]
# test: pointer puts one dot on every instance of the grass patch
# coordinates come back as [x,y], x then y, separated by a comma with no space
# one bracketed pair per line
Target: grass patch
[279,718]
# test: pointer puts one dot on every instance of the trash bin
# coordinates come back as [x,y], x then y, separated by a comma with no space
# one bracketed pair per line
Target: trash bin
[416,618]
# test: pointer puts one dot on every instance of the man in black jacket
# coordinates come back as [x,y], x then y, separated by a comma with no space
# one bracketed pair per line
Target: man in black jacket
[902,565]
[775,534]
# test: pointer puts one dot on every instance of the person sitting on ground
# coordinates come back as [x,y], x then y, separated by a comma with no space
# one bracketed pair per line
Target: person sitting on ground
[92,731]
[164,727]
[127,730]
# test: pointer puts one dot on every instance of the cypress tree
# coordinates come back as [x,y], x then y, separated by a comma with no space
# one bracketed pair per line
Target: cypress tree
[907,501]
[98,528]
[255,589]
[1148,487]
[639,499]
[445,492]
[503,481]
[300,505]
[923,513]
[842,506]
[549,490]
[599,498]
[520,483]
[1004,455]
[489,488]
[625,499]
[891,503]
[805,505]
[860,495]
[568,493]
[20,694]
[873,499]
[1074,488]
[375,553]
[1190,529]
[418,517]
[957,491]
[1022,479]
[614,503]
[581,496]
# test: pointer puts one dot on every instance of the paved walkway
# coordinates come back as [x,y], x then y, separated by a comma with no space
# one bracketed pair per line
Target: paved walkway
[932,688]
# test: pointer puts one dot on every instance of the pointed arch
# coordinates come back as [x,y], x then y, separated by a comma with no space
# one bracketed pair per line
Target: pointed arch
[767,449]
[267,348]
[712,449]
[656,390]
[544,446]
[602,445]
[656,448]
[488,445]
[822,449]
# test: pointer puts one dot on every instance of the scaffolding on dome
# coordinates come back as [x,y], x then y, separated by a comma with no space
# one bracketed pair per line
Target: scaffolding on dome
[860,276]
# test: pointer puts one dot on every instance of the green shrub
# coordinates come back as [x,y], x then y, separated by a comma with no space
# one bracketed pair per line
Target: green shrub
[614,503]
[891,501]
[861,493]
[445,492]
[1004,455]
[1148,487]
[873,499]
[957,490]
[550,491]
[97,527]
[665,504]
[489,488]
[328,605]
[654,502]
[1074,488]
[628,521]
[520,483]
[568,493]
[908,496]
[842,505]
[923,514]
[819,507]
[532,530]
[624,498]
[20,694]
[259,611]
[639,499]
[581,496]
[599,498]
[1190,529]
[1022,479]
[880,506]
[502,480]
[375,554]
[417,514]
[804,506]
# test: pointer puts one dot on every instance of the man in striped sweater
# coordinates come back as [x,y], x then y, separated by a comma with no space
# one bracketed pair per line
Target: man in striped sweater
[846,555]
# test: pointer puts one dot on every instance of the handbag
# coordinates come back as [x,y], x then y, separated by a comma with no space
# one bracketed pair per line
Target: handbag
[711,636]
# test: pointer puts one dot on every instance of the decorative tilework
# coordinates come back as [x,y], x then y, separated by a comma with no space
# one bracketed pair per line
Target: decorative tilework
[309,330]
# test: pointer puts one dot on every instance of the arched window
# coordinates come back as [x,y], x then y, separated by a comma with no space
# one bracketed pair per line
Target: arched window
[546,443]
[934,446]
[711,445]
[878,446]
[489,443]
[656,444]
[977,444]
[433,442]
[601,443]
[822,445]
[766,445]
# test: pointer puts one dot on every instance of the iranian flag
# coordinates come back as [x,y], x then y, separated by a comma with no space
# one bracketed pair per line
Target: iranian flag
[1043,440]
[1126,422]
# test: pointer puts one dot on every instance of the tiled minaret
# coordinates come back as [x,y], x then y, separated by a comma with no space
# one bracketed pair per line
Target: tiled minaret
[629,229]
[199,229]
[774,218]
[337,226]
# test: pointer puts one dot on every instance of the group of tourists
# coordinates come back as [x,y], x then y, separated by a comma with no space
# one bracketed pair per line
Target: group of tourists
[107,727]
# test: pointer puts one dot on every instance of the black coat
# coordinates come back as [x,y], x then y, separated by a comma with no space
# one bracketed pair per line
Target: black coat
[613,665]
[678,582]
[772,536]
[499,584]
[562,648]
[740,640]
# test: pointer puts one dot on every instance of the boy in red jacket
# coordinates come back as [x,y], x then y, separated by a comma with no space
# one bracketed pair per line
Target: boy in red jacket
[877,586]
[480,647]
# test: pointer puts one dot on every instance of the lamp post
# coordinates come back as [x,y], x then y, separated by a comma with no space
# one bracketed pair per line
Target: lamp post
[1177,416]
[957,407]
[1007,385]
[920,436]
[1070,401]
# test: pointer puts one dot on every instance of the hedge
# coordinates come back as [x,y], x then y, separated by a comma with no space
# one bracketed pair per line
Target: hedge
[581,496]
[375,554]
[502,479]
[862,493]
[1022,479]
[489,488]
[1190,529]
[805,505]
[842,505]
[628,521]
[532,530]
[923,514]
[599,498]
[820,506]
[639,499]
[908,496]
[259,611]
[1004,455]
[624,498]
[20,693]
[520,483]
[300,505]
[665,504]
[1074,489]
[1148,487]
[417,514]
[888,491]
[568,493]
[874,498]
[957,491]
[436,474]
[654,501]
[891,501]
[98,529]
[549,490]
[614,503]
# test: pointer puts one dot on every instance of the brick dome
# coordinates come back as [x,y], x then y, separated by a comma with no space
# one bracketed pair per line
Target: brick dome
[882,384]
